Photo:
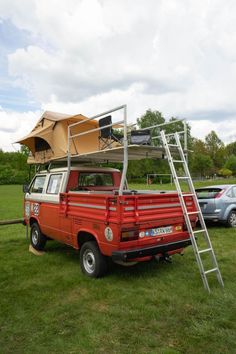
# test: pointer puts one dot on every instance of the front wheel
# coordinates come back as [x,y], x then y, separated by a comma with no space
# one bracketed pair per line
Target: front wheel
[232,219]
[37,239]
[92,262]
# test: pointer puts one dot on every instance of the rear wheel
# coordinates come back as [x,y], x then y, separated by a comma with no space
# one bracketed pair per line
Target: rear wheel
[232,219]
[92,262]
[37,239]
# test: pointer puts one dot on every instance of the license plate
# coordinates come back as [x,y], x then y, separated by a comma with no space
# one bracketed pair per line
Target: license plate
[161,231]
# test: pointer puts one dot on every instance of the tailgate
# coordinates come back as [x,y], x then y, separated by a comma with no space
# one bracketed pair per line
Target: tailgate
[159,224]
[158,218]
[207,198]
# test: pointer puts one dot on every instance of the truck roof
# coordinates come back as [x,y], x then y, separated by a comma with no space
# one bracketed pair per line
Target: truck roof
[80,168]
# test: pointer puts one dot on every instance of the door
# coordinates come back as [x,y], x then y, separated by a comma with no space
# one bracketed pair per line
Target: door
[49,213]
[33,199]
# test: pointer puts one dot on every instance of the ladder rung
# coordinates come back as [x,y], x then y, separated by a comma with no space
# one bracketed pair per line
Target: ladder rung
[178,161]
[211,270]
[193,212]
[188,195]
[183,177]
[198,231]
[205,250]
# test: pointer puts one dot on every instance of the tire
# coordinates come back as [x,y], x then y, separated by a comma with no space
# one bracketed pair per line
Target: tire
[37,239]
[92,262]
[231,221]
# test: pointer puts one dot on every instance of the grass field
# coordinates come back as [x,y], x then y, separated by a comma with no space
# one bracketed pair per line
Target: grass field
[48,306]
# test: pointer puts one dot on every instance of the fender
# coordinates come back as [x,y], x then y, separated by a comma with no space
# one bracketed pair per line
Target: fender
[228,210]
[32,219]
[88,231]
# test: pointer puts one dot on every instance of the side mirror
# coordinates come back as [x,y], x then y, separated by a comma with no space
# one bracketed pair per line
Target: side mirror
[26,188]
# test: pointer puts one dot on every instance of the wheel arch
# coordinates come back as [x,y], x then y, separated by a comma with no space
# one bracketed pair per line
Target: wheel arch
[228,211]
[85,236]
[229,222]
[33,220]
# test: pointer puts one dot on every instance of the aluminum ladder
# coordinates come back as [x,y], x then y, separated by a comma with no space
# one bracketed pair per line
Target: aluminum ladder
[177,148]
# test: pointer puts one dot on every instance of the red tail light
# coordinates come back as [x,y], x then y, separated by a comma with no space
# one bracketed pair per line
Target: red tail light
[129,234]
[218,195]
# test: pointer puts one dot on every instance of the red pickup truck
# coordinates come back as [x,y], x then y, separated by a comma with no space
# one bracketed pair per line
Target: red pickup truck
[86,212]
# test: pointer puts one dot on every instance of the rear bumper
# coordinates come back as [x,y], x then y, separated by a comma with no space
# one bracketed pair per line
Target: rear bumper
[149,251]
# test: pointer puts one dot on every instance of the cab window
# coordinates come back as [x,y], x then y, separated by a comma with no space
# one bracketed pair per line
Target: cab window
[54,184]
[96,179]
[37,186]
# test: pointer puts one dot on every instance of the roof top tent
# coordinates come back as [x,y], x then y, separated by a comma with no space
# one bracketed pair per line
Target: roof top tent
[48,140]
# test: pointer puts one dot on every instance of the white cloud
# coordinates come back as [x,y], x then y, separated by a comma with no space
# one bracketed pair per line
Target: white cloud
[15,125]
[88,55]
[226,132]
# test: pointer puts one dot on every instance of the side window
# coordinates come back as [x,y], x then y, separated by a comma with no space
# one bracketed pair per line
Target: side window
[54,184]
[232,192]
[37,186]
[95,179]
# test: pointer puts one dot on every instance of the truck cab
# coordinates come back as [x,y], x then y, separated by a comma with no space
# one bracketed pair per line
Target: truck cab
[82,208]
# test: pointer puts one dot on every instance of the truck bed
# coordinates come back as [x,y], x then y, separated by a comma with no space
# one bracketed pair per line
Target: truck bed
[132,207]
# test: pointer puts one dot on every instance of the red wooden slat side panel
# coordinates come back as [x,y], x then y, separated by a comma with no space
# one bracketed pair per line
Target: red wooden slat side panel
[126,209]
[87,206]
[162,208]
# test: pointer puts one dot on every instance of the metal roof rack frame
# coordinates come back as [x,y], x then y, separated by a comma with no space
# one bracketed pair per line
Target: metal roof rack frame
[116,152]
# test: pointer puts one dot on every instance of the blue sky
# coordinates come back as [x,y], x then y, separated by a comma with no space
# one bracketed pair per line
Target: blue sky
[86,56]
[12,96]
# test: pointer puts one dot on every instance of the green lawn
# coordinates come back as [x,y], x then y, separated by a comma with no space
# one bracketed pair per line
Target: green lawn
[48,306]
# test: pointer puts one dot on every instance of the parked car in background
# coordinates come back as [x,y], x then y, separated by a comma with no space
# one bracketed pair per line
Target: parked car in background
[218,203]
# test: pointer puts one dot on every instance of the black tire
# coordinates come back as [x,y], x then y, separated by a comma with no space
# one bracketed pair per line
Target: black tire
[231,221]
[92,262]
[37,239]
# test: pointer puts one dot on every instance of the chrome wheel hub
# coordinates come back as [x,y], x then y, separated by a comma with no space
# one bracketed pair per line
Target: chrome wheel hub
[89,261]
[35,237]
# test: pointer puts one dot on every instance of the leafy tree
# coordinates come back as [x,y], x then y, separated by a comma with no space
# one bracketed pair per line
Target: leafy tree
[202,164]
[24,150]
[150,118]
[231,149]
[199,146]
[13,168]
[225,172]
[216,149]
[231,164]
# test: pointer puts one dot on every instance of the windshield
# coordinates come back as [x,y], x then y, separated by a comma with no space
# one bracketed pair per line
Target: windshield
[208,193]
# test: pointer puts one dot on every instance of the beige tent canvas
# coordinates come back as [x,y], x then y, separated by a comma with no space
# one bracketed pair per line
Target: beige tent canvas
[48,140]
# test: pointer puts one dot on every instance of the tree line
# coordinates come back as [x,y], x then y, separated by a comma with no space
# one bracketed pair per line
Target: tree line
[13,167]
[207,158]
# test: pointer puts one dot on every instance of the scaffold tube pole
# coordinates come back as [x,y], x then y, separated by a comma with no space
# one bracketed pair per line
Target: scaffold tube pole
[125,144]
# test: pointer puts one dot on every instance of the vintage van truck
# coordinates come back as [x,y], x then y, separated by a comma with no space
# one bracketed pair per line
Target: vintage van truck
[86,211]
